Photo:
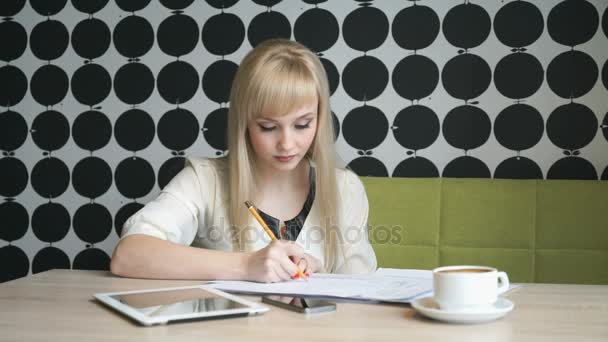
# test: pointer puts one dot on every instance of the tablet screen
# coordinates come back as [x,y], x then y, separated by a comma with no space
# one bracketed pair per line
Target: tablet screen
[177,302]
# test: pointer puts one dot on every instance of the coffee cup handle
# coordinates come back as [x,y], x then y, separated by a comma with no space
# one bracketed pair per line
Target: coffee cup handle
[504,282]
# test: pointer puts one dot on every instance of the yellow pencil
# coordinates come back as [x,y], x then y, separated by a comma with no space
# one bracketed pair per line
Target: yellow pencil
[259,218]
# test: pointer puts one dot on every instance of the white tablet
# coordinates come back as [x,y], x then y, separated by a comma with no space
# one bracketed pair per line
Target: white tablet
[161,306]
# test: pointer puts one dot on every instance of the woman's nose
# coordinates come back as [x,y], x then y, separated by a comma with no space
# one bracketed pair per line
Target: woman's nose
[286,140]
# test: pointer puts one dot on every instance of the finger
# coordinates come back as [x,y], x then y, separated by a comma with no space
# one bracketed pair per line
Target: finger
[303,264]
[289,268]
[277,263]
[282,273]
[294,250]
[273,277]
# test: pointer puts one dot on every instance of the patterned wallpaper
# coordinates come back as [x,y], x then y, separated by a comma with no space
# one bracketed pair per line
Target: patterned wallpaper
[101,100]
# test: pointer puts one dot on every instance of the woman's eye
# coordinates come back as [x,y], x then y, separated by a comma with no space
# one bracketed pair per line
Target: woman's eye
[266,128]
[304,126]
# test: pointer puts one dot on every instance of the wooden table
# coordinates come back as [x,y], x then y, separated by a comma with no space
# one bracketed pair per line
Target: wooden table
[58,306]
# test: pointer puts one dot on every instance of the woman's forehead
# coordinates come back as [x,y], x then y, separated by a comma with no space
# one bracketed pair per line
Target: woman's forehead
[302,113]
[292,110]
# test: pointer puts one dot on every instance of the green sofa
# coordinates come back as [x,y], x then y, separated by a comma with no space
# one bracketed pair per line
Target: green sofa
[545,231]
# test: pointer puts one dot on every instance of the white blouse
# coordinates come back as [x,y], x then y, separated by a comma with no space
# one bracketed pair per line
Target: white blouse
[193,210]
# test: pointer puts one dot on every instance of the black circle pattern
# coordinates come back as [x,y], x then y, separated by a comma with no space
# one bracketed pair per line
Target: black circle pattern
[518,75]
[365,78]
[133,36]
[466,25]
[178,129]
[356,32]
[74,83]
[13,85]
[19,265]
[15,177]
[134,177]
[91,6]
[50,130]
[50,222]
[91,177]
[50,258]
[508,24]
[215,128]
[365,127]
[416,167]
[572,13]
[92,259]
[415,27]
[177,35]
[49,40]
[13,39]
[92,223]
[416,127]
[217,80]
[572,126]
[47,8]
[50,168]
[134,130]
[177,82]
[572,74]
[91,84]
[519,127]
[133,83]
[16,221]
[466,127]
[49,85]
[91,38]
[466,76]
[9,8]
[518,168]
[316,28]
[268,25]
[415,77]
[223,34]
[92,130]
[13,130]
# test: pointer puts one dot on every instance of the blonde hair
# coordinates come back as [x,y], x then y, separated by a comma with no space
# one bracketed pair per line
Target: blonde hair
[277,77]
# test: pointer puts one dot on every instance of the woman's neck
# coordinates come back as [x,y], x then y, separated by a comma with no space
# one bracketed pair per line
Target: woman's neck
[282,194]
[270,180]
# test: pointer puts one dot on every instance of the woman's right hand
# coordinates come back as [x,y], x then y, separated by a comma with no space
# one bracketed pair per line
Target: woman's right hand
[274,262]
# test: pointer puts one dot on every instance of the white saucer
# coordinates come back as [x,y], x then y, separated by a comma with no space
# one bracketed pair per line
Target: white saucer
[427,307]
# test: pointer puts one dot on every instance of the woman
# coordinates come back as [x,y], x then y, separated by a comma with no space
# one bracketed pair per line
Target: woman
[282,159]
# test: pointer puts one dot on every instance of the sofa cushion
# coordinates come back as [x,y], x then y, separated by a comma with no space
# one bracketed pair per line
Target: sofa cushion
[537,231]
[572,231]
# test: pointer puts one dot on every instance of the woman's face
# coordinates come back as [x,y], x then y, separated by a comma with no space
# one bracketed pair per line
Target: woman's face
[280,142]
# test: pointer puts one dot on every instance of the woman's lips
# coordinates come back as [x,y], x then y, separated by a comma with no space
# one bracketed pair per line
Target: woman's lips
[284,159]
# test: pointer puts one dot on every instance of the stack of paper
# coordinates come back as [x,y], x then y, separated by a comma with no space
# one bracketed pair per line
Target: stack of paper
[386,285]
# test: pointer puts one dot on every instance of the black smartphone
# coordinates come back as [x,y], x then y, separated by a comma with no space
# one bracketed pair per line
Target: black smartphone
[299,304]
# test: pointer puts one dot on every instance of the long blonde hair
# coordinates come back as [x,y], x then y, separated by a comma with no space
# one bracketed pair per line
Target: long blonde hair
[277,77]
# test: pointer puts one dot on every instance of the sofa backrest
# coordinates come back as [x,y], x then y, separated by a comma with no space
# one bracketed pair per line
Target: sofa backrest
[545,231]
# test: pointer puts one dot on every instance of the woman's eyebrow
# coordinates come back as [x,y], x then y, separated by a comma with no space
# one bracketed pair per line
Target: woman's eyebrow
[298,118]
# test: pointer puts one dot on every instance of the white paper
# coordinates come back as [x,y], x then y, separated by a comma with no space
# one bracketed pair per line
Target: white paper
[389,285]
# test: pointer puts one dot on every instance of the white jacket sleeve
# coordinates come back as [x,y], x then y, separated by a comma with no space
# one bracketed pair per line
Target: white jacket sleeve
[356,255]
[174,214]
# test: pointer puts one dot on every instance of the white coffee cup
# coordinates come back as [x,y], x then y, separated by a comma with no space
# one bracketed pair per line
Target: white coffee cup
[467,287]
